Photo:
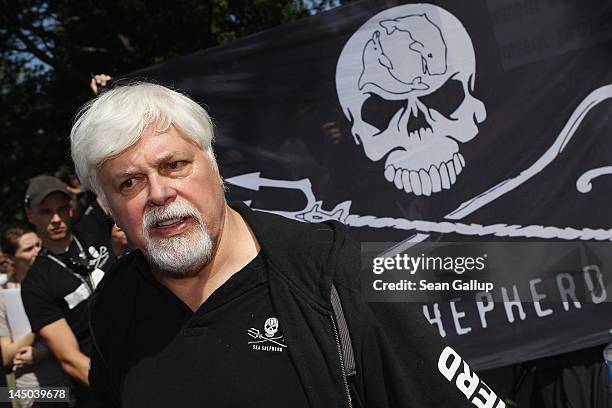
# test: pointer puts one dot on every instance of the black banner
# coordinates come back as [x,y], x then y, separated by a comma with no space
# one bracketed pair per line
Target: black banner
[455,121]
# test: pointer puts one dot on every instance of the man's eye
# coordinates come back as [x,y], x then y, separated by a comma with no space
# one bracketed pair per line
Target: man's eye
[127,184]
[175,165]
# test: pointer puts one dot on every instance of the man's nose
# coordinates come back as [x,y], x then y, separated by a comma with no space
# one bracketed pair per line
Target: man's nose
[161,191]
[55,218]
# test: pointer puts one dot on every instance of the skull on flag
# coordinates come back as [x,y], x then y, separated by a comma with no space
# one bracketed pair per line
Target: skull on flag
[405,81]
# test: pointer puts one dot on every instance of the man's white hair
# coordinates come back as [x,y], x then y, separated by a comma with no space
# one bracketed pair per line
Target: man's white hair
[114,121]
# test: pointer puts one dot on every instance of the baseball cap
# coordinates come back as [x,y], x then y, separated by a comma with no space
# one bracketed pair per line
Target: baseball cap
[41,186]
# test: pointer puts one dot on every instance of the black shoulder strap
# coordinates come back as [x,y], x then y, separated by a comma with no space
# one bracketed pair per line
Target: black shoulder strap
[346,345]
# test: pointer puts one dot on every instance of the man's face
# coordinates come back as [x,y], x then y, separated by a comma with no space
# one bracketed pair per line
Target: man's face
[52,217]
[168,198]
[28,246]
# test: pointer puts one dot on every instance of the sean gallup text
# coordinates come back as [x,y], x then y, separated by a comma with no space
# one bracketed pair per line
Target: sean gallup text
[425,285]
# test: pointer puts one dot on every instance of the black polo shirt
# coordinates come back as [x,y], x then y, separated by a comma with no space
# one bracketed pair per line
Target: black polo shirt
[230,353]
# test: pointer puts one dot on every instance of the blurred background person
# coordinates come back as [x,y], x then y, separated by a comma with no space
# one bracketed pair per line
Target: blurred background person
[21,245]
[29,355]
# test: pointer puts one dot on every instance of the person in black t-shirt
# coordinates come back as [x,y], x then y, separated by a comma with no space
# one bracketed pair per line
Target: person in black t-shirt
[66,272]
[94,221]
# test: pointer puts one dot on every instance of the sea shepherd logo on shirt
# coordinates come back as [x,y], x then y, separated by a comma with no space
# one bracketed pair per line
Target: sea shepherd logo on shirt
[97,260]
[270,340]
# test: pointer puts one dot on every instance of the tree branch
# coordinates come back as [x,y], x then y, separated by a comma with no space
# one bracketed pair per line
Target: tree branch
[37,52]
[25,40]
[125,42]
[32,48]
[15,49]
[37,109]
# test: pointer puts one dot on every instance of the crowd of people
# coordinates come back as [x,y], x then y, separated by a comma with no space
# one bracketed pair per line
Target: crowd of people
[66,242]
[53,261]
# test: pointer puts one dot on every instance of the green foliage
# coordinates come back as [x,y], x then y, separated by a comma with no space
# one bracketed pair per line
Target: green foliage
[49,49]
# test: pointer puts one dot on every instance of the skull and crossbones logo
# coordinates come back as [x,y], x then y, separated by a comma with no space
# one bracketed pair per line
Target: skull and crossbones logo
[270,330]
[405,81]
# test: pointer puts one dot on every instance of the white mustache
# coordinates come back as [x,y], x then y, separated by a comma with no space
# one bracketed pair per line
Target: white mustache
[173,210]
[181,255]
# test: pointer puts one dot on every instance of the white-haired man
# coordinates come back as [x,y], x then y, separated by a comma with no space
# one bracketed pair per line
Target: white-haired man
[222,306]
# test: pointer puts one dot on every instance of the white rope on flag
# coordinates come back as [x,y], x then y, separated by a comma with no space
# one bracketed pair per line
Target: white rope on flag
[498,230]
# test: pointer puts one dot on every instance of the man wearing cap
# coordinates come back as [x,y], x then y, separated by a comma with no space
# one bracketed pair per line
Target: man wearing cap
[62,278]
